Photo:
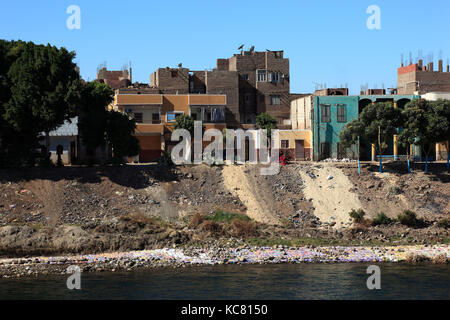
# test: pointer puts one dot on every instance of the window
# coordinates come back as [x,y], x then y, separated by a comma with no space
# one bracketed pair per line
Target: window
[245,77]
[171,116]
[138,117]
[155,118]
[247,98]
[274,77]
[218,115]
[284,144]
[325,112]
[341,113]
[261,75]
[174,73]
[275,100]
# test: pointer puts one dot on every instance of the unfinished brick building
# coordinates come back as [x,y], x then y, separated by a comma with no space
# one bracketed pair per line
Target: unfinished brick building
[115,79]
[253,82]
[417,78]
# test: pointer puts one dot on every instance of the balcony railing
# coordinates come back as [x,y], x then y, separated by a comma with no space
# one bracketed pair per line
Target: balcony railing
[149,127]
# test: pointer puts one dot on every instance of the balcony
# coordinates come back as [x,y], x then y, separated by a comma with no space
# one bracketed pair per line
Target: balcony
[208,99]
[138,99]
[149,128]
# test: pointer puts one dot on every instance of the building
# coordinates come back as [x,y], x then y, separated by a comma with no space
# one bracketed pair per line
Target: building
[65,138]
[331,113]
[253,82]
[419,79]
[155,115]
[115,79]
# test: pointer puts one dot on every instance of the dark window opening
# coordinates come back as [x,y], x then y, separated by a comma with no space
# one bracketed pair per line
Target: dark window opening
[324,150]
[155,118]
[138,117]
[325,113]
[341,113]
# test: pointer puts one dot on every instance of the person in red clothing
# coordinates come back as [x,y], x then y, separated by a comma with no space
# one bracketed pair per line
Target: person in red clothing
[283,159]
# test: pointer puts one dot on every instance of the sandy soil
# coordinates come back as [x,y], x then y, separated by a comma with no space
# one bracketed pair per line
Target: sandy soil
[329,190]
[259,205]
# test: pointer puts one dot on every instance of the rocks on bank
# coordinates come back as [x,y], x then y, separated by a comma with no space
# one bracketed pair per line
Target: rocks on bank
[126,261]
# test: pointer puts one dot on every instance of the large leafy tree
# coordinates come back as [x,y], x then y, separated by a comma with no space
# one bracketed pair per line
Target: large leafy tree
[93,116]
[441,123]
[39,91]
[99,127]
[426,123]
[120,136]
[376,124]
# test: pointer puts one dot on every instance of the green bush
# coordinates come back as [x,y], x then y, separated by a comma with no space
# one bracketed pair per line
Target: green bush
[357,215]
[408,218]
[381,219]
[444,223]
[222,216]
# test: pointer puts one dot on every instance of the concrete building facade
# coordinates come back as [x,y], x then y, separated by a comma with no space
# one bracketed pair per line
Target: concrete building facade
[155,116]
[419,79]
[253,82]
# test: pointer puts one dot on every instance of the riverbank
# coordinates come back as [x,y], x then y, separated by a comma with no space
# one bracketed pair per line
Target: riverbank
[178,258]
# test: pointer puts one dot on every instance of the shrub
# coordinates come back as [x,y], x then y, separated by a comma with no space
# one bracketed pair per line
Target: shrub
[196,220]
[244,228]
[210,226]
[444,223]
[357,215]
[381,219]
[165,160]
[408,218]
[222,216]
[395,190]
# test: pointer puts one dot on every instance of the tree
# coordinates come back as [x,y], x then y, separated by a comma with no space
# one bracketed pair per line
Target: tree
[376,124]
[441,122]
[186,122]
[93,116]
[426,123]
[39,91]
[350,136]
[120,136]
[267,122]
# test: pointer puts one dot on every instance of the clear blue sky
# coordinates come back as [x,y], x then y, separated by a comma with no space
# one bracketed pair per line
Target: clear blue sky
[325,40]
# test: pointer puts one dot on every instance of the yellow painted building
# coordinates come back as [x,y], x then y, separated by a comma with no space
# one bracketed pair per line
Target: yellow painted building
[298,142]
[155,116]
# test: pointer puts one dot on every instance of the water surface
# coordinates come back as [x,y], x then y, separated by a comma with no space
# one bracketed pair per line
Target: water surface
[284,281]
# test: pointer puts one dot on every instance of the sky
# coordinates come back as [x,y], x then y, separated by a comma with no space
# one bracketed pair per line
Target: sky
[326,41]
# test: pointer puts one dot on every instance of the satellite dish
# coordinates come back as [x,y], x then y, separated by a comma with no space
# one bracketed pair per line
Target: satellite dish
[180,65]
[241,47]
[252,49]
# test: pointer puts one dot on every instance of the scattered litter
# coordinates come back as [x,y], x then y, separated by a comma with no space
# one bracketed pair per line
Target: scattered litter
[329,177]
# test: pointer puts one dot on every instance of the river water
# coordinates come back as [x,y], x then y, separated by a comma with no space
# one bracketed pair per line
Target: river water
[283,281]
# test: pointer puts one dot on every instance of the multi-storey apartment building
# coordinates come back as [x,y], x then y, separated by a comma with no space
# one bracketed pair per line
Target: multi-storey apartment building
[115,79]
[155,115]
[253,82]
[419,79]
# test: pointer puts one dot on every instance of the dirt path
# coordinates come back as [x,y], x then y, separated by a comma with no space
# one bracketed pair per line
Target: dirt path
[259,204]
[329,190]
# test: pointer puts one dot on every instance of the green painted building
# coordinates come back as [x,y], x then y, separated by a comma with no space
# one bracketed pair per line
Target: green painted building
[330,115]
